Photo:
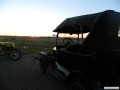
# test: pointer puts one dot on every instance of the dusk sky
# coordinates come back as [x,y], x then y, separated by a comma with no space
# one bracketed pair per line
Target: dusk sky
[41,17]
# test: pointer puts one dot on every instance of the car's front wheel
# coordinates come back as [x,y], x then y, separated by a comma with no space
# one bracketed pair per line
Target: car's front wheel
[42,66]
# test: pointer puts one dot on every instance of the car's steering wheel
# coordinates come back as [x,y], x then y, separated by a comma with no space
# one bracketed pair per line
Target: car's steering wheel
[68,41]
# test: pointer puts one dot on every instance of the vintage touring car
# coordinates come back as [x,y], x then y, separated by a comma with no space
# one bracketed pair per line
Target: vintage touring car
[86,63]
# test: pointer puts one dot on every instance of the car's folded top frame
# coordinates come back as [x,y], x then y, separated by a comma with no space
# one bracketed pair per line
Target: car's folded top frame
[103,28]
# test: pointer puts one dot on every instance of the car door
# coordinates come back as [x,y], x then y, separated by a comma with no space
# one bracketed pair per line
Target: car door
[68,60]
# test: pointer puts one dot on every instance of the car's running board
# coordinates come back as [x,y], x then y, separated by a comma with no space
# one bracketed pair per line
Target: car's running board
[59,75]
[62,69]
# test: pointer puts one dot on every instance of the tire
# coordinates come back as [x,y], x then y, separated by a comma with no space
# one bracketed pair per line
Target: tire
[14,54]
[42,66]
[3,50]
[115,81]
[77,84]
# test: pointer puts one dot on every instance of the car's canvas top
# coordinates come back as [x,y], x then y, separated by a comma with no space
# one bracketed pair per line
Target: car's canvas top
[73,24]
[103,28]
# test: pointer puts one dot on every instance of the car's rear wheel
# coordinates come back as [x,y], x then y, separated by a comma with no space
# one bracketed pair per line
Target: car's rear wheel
[14,54]
[77,84]
[3,50]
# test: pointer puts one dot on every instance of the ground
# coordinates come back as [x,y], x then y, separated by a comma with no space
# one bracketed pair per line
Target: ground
[24,74]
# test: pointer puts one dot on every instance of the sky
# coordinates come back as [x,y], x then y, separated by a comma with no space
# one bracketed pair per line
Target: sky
[41,17]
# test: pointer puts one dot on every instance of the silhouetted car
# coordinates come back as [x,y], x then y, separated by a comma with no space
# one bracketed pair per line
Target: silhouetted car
[92,62]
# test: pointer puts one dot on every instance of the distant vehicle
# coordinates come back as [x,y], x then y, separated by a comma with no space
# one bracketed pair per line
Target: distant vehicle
[95,62]
[10,49]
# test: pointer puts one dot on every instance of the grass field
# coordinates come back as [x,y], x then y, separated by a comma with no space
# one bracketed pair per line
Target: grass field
[31,44]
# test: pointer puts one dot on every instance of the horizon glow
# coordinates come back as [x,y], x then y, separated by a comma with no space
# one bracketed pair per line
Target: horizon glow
[41,17]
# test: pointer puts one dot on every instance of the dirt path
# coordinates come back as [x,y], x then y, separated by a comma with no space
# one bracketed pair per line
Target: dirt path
[25,75]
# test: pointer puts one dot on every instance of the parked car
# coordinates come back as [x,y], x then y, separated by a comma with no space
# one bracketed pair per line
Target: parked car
[89,63]
[10,49]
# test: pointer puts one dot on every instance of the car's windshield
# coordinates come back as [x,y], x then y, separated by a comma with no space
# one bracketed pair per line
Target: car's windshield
[76,38]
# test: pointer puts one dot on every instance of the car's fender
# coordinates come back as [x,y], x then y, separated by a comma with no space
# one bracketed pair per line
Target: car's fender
[47,61]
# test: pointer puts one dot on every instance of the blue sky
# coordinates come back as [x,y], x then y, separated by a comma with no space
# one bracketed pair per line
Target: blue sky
[41,17]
